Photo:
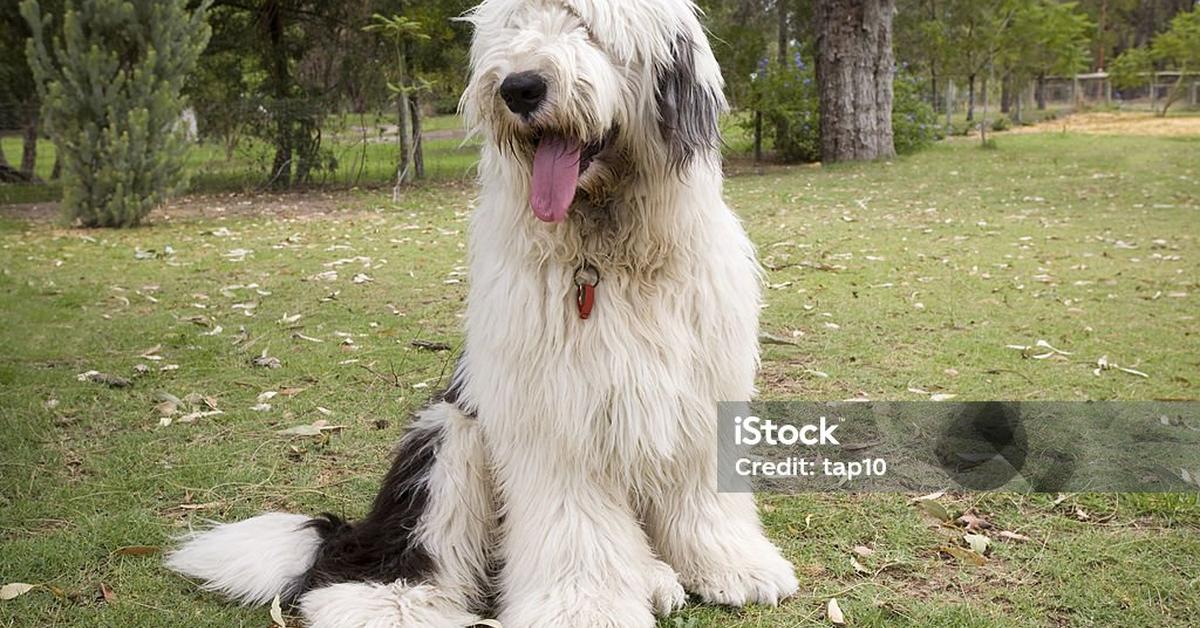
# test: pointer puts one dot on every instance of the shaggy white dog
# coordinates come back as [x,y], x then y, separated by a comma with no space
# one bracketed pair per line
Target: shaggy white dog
[569,476]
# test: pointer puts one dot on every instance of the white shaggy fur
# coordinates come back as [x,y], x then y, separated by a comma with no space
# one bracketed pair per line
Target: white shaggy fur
[602,432]
[250,561]
[369,605]
[589,474]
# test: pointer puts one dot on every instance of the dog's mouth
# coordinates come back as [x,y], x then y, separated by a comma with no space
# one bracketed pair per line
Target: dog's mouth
[559,161]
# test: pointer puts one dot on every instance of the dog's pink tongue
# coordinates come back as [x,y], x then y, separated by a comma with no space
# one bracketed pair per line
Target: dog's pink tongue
[555,175]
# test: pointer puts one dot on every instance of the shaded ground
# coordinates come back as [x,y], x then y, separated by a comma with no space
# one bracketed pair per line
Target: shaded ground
[899,280]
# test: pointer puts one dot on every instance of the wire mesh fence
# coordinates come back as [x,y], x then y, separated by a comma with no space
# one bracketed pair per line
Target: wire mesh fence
[258,145]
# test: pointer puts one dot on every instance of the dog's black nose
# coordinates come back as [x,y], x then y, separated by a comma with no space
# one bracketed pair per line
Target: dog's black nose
[523,92]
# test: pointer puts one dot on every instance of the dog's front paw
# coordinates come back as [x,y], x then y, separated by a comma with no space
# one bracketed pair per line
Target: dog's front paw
[666,594]
[763,577]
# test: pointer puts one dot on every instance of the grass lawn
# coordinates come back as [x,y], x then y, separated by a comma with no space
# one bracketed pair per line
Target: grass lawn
[896,281]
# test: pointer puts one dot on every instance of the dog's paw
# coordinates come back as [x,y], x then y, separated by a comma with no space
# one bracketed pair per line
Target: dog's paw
[591,609]
[761,578]
[666,594]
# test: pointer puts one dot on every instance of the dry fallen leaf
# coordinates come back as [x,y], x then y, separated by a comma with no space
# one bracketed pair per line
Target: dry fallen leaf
[277,613]
[1013,536]
[964,555]
[266,361]
[107,593]
[771,339]
[112,381]
[833,612]
[974,522]
[933,509]
[314,429]
[863,550]
[137,550]
[978,542]
[14,590]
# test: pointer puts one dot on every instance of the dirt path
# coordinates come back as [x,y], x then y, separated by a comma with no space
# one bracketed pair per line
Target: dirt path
[1110,123]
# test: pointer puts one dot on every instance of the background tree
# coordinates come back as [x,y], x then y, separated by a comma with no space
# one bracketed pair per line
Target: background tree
[401,31]
[855,68]
[1177,49]
[19,104]
[1044,38]
[110,82]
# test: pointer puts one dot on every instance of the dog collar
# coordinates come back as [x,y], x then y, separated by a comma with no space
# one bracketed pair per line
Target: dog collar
[586,280]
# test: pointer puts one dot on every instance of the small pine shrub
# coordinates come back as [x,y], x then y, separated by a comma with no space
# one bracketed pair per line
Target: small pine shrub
[109,73]
[1001,124]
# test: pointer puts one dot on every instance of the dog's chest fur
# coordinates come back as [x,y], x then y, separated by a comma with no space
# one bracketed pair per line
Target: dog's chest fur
[637,383]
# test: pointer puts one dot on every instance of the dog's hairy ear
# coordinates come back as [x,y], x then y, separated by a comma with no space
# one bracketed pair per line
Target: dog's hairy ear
[688,111]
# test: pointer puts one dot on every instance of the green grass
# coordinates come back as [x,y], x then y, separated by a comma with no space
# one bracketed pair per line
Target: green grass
[909,275]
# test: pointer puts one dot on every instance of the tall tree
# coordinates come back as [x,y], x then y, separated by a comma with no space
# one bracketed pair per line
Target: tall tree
[1177,49]
[110,80]
[1045,38]
[402,31]
[19,104]
[855,68]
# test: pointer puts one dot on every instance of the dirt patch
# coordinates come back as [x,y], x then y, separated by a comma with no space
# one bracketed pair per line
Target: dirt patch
[1110,123]
[310,204]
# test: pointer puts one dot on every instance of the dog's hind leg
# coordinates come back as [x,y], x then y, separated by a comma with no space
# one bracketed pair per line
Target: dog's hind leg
[420,559]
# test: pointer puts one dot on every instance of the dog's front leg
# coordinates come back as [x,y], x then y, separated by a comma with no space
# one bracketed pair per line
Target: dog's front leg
[574,554]
[716,544]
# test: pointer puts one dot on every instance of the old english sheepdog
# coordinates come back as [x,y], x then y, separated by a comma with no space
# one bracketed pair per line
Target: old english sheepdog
[568,476]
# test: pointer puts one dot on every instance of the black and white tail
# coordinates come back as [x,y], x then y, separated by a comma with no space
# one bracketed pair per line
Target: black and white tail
[419,559]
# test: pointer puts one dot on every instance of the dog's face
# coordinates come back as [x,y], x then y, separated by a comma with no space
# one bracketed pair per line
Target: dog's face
[583,94]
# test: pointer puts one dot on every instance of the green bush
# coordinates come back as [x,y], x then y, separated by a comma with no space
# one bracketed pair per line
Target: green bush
[914,122]
[110,78]
[789,101]
[1001,124]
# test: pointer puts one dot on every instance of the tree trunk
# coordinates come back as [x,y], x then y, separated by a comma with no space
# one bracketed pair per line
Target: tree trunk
[781,54]
[1006,93]
[1020,93]
[29,147]
[983,125]
[418,145]
[758,136]
[934,93]
[855,68]
[1174,93]
[1039,92]
[971,98]
[781,13]
[271,20]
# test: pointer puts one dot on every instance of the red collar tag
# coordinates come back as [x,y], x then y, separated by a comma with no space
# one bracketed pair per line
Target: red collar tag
[586,280]
[585,297]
